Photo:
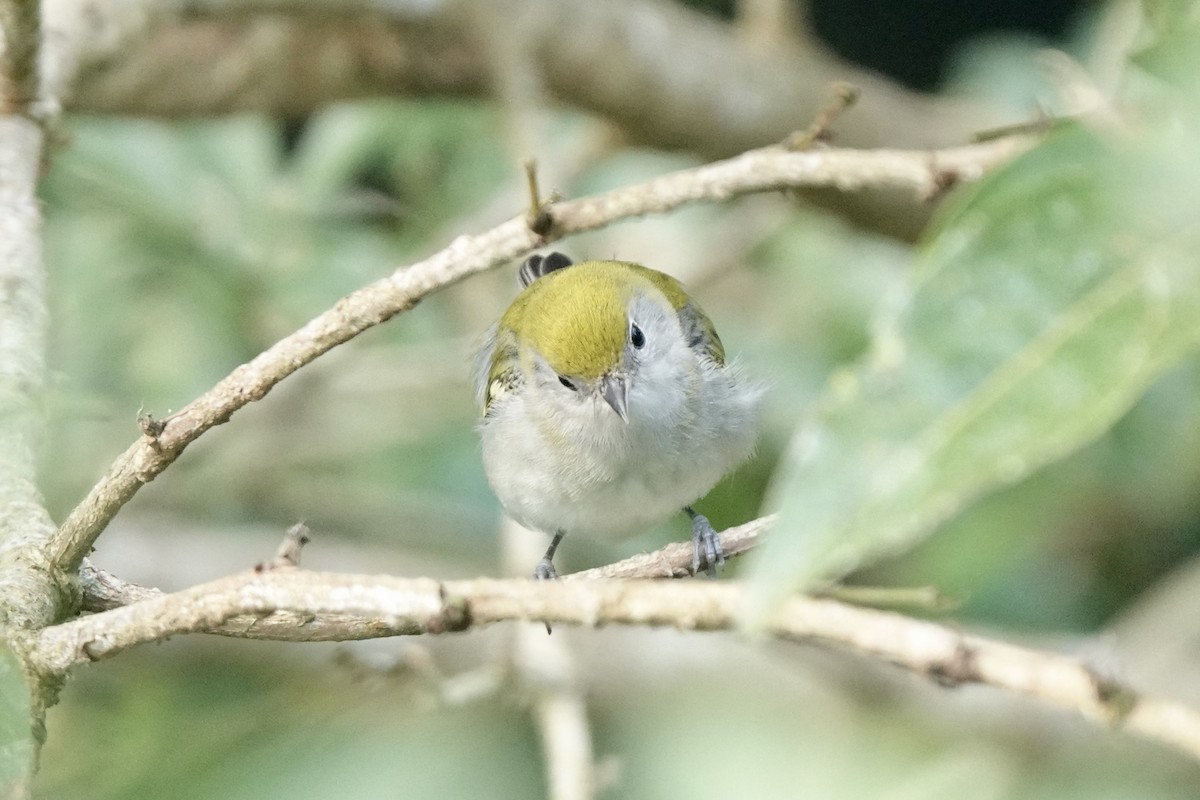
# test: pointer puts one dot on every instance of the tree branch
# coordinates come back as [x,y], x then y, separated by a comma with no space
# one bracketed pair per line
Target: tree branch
[919,172]
[25,527]
[417,606]
[31,590]
[103,591]
[29,594]
[293,57]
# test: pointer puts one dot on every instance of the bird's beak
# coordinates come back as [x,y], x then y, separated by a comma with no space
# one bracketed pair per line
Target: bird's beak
[615,391]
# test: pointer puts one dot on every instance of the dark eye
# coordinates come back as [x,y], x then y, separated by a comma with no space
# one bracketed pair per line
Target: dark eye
[636,337]
[567,382]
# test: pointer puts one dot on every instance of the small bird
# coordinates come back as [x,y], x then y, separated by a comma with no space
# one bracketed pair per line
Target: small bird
[607,404]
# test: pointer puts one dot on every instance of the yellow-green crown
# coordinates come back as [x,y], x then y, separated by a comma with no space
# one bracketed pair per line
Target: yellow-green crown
[575,317]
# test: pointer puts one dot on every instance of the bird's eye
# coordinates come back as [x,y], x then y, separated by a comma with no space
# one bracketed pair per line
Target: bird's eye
[567,382]
[636,337]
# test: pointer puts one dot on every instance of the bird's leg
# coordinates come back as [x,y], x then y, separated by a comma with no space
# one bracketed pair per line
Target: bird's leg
[706,545]
[545,571]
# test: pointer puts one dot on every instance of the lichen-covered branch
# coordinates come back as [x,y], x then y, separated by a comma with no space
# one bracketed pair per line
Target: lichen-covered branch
[31,592]
[921,173]
[26,596]
[407,606]
[103,591]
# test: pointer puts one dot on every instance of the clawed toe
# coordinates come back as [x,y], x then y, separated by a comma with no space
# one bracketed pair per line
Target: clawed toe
[706,545]
[545,571]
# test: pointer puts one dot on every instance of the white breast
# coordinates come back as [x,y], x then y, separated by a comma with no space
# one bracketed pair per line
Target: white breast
[588,472]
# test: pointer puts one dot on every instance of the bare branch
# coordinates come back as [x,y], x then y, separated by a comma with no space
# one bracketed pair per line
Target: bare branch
[206,57]
[844,96]
[658,83]
[103,591]
[771,168]
[675,559]
[420,606]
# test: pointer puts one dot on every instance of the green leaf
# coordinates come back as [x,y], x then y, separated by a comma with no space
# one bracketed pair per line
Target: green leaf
[1040,312]
[1168,39]
[17,746]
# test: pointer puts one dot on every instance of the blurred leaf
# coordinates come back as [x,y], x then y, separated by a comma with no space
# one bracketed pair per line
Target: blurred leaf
[1041,311]
[210,240]
[16,730]
[416,163]
[1170,53]
[272,722]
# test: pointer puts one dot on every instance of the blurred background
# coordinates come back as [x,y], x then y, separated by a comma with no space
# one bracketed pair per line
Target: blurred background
[182,244]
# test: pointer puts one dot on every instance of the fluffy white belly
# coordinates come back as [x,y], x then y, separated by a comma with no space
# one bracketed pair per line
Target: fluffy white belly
[610,479]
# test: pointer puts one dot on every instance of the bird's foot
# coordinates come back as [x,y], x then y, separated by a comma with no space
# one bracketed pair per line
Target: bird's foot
[545,571]
[706,545]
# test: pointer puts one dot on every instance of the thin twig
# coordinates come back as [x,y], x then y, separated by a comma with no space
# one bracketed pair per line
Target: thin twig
[288,553]
[421,606]
[538,218]
[929,599]
[675,559]
[767,169]
[844,96]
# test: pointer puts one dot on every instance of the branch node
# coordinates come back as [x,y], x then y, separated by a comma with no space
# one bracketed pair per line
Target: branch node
[88,650]
[941,180]
[455,614]
[288,554]
[538,218]
[959,668]
[150,427]
[1117,699]
[844,96]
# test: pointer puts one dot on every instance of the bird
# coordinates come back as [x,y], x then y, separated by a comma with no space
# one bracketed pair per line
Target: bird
[607,405]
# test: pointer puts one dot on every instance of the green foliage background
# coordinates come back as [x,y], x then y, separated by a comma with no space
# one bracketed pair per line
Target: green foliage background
[178,251]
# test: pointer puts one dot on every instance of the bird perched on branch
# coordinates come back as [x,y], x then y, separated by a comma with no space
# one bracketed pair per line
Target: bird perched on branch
[608,404]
